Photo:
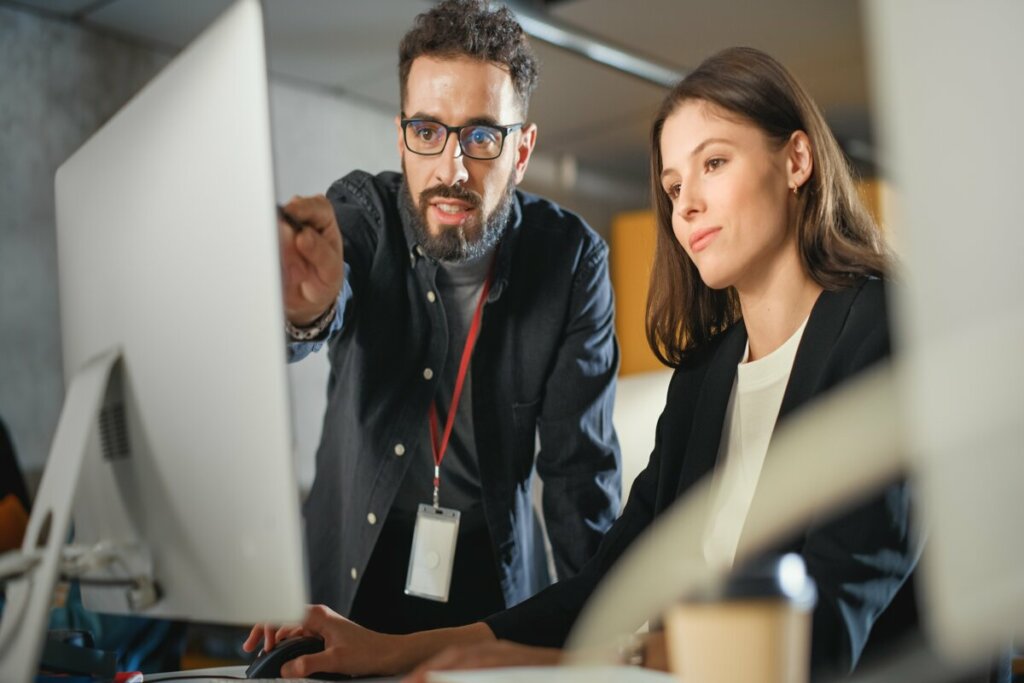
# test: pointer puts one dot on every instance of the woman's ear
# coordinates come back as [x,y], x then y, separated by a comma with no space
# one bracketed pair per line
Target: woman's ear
[799,160]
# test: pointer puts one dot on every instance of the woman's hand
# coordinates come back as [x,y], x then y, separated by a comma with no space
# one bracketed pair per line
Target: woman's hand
[348,647]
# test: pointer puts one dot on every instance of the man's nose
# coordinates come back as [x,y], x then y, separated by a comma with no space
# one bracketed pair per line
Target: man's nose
[451,167]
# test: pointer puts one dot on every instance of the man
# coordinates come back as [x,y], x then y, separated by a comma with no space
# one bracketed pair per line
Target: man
[464,319]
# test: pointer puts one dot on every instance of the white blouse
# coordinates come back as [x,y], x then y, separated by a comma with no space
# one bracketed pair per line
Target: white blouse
[749,422]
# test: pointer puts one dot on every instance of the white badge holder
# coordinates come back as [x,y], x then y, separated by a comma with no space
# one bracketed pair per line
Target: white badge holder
[433,553]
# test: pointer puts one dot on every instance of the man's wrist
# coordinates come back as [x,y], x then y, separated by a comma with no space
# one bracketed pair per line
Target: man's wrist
[313,330]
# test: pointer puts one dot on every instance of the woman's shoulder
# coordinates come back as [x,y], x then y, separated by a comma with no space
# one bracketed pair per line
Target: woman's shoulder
[868,305]
[862,336]
[724,347]
[872,291]
[699,356]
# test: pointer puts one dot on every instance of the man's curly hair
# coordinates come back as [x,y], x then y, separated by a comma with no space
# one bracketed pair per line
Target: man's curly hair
[469,28]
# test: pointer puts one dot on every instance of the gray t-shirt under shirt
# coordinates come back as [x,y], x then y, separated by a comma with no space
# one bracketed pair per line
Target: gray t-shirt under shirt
[459,286]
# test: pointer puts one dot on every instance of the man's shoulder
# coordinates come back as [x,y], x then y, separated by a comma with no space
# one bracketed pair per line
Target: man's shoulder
[546,220]
[370,192]
[385,182]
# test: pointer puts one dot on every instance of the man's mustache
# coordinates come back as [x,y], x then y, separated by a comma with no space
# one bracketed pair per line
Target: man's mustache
[450,192]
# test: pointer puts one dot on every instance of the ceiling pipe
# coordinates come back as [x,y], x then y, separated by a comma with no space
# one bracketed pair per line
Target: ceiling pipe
[542,26]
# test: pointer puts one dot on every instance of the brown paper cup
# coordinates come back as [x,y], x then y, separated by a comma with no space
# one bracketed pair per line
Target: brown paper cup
[763,640]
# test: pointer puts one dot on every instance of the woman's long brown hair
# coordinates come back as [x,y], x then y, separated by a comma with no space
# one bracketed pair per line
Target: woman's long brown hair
[838,239]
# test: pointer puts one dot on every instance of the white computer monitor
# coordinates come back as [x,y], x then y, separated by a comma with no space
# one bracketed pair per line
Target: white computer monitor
[949,103]
[172,331]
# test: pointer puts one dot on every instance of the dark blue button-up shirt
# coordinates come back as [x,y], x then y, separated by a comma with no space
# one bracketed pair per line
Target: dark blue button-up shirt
[543,371]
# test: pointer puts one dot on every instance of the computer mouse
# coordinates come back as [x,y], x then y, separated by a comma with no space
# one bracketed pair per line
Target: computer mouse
[268,664]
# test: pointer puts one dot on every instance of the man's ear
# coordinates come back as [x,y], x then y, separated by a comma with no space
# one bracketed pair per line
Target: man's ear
[527,138]
[400,137]
[799,159]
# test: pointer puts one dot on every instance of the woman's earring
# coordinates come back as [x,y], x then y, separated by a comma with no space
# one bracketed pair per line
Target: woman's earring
[796,190]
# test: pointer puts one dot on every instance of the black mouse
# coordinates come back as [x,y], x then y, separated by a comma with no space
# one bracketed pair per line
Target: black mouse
[268,664]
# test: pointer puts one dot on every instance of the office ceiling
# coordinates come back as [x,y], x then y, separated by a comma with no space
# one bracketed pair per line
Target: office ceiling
[586,111]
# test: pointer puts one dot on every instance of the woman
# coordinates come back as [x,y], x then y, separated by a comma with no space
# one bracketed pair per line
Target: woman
[766,292]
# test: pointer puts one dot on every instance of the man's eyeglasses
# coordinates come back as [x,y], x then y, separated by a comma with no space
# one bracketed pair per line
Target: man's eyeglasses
[477,141]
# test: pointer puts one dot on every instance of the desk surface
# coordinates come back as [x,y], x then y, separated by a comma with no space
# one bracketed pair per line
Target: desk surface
[600,674]
[221,674]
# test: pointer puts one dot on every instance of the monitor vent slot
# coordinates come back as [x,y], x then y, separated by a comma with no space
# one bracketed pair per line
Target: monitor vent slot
[114,431]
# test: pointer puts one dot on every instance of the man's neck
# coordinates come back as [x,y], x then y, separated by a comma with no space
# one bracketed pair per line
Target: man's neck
[468,271]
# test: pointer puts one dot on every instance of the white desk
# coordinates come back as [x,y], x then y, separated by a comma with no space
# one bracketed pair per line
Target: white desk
[227,673]
[603,674]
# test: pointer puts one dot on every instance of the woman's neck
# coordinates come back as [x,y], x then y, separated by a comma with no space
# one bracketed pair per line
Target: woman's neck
[776,305]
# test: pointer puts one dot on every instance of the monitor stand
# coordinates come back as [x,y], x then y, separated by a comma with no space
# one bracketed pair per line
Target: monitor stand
[30,596]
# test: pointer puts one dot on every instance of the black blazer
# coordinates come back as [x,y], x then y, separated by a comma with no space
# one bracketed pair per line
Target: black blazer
[858,560]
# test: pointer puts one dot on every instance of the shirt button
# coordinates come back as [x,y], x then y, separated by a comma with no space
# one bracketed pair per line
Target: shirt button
[431,297]
[354,573]
[400,450]
[371,518]
[428,373]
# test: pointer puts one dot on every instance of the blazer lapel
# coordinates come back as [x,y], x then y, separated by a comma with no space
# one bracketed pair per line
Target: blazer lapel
[706,431]
[823,328]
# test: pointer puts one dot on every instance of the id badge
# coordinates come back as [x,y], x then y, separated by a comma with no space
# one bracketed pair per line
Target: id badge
[433,553]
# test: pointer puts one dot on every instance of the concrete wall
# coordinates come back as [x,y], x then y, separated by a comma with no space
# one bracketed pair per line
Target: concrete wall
[60,83]
[349,135]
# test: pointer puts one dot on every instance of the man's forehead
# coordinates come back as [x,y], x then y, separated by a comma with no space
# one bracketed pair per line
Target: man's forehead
[458,89]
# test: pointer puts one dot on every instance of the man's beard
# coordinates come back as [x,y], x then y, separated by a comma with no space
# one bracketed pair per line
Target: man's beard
[465,242]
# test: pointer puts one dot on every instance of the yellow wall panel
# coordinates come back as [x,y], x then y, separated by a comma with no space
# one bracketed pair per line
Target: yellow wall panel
[632,253]
[871,194]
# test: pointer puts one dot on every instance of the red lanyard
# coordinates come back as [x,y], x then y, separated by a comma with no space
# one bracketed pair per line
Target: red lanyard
[460,379]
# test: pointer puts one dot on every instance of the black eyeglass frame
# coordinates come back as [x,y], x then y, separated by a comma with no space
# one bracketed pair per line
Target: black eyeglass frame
[505,132]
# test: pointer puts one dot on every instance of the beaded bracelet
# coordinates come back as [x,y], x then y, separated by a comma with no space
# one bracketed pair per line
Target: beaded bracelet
[313,329]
